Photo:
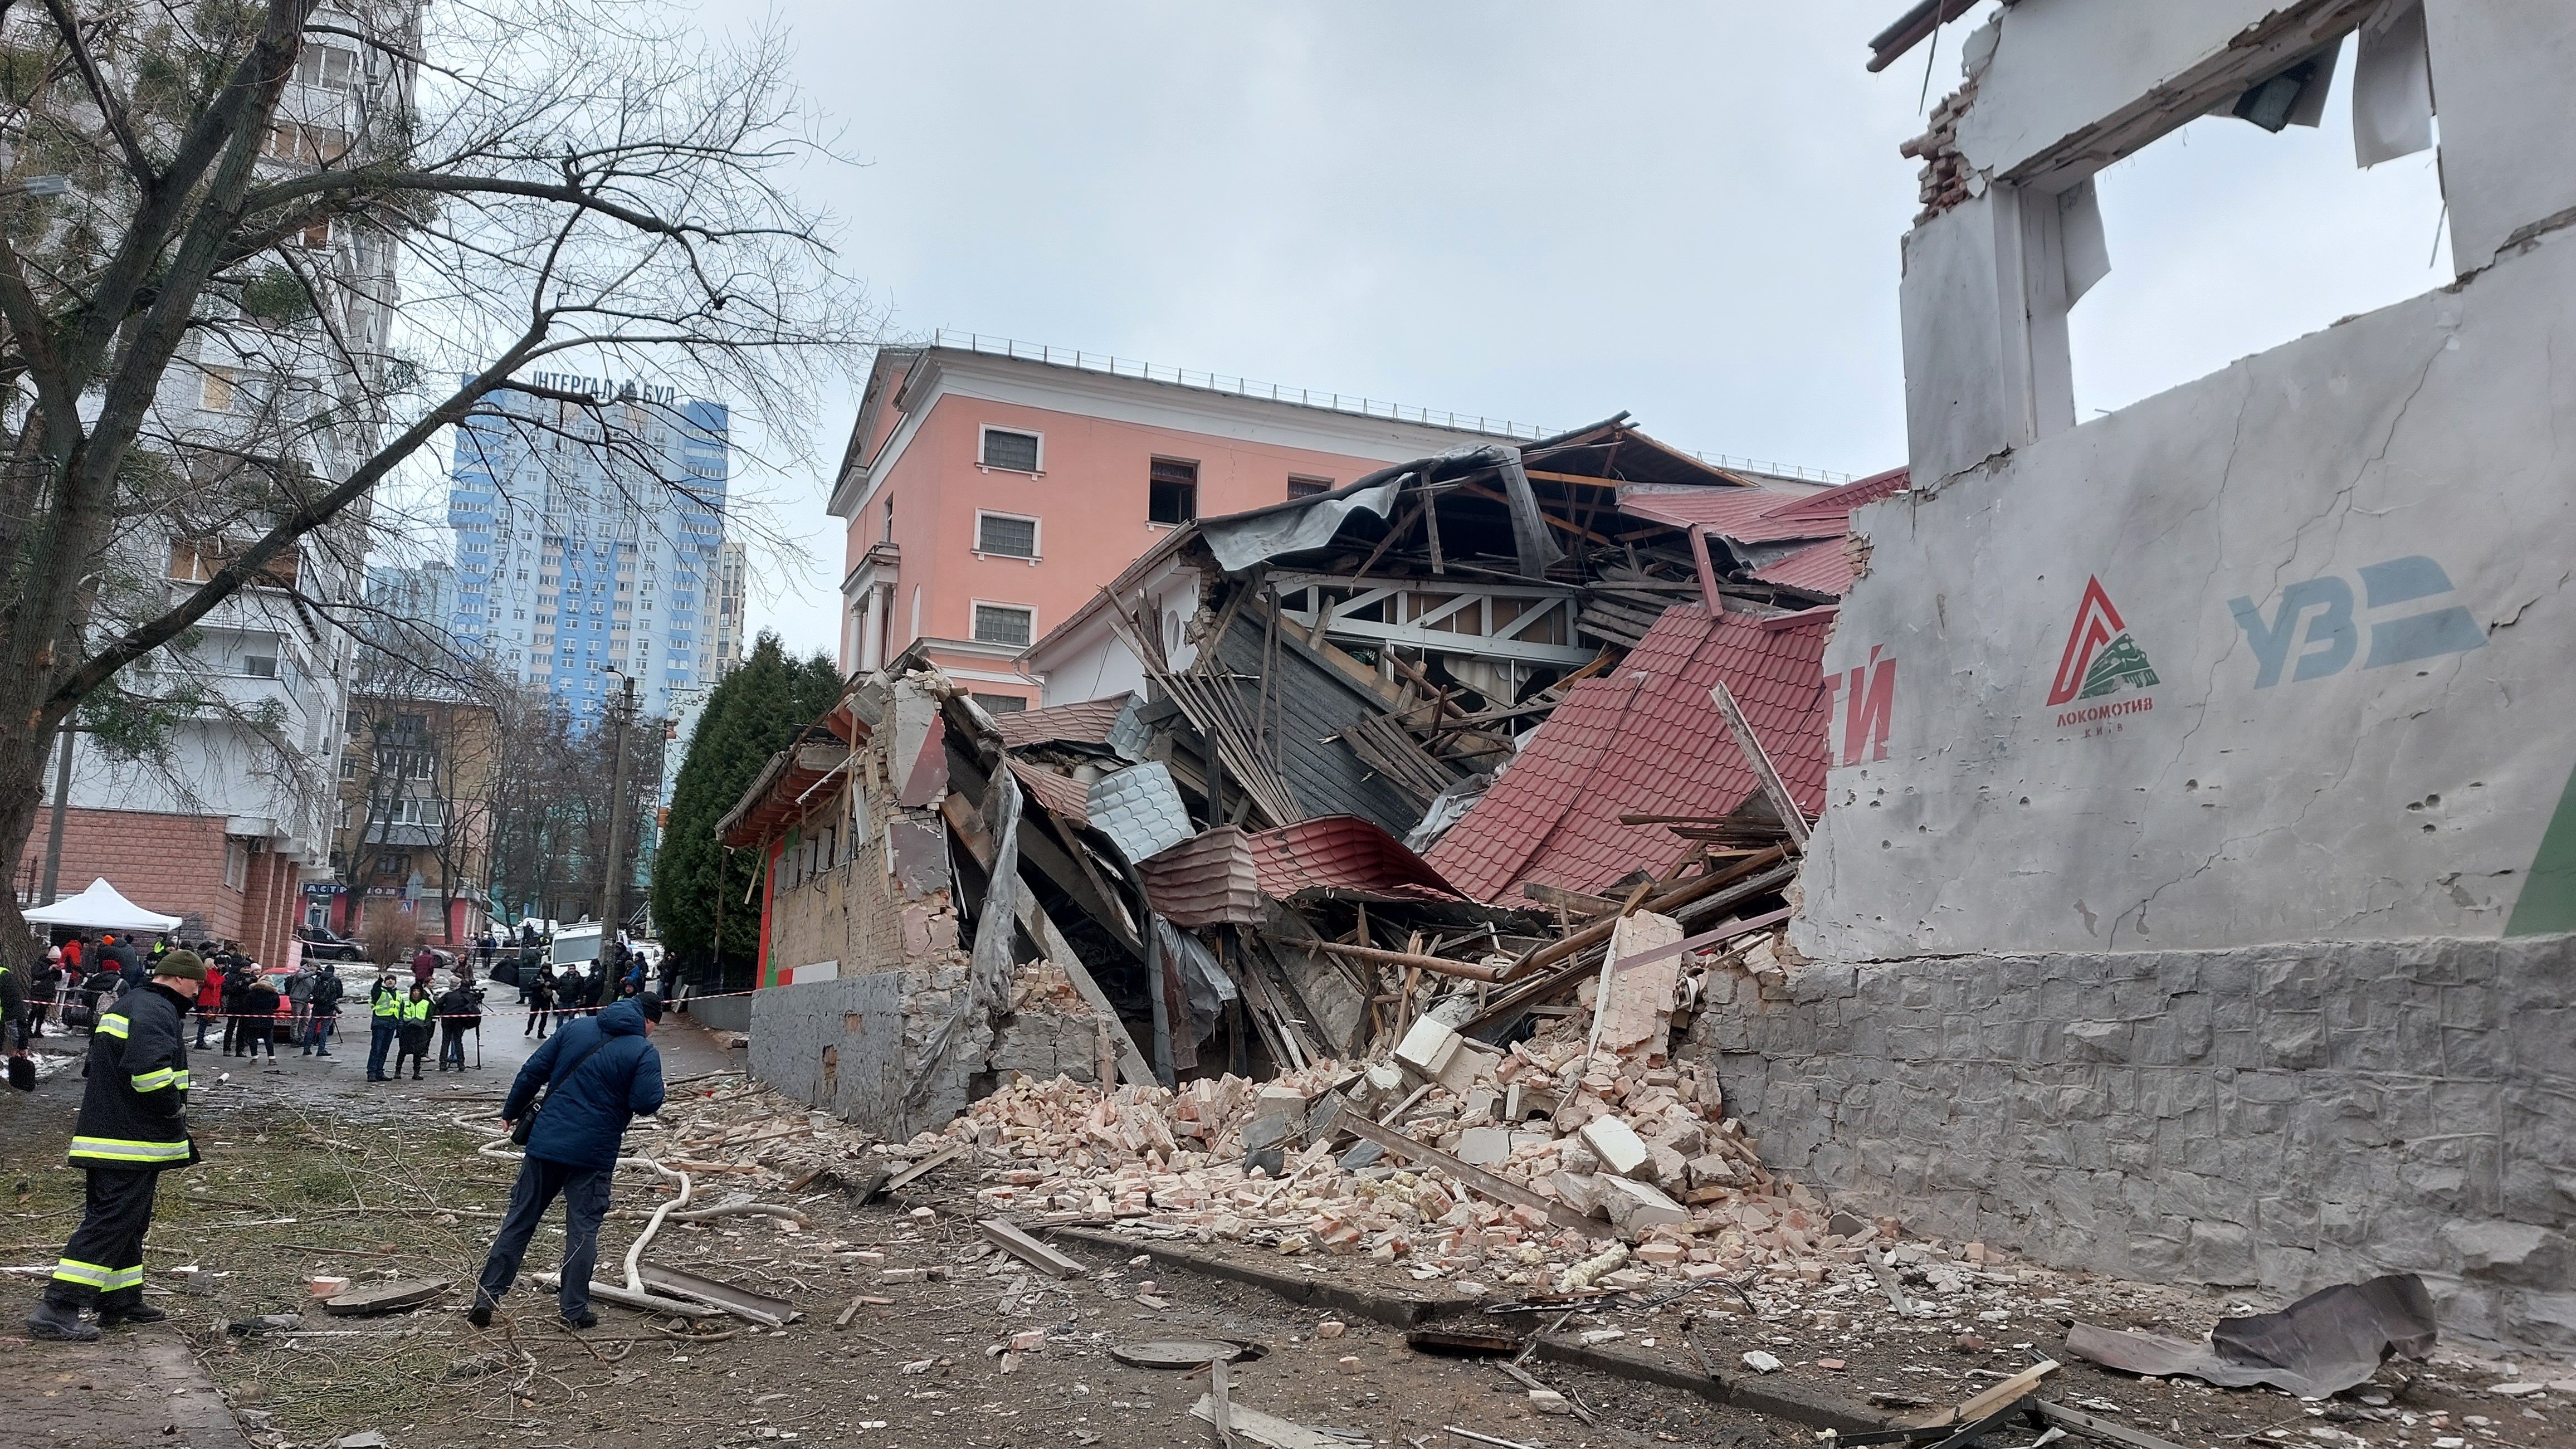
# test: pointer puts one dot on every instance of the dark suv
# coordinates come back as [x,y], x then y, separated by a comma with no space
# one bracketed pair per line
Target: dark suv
[323,944]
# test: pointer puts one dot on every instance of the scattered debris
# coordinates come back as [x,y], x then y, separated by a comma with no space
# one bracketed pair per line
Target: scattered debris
[2326,1342]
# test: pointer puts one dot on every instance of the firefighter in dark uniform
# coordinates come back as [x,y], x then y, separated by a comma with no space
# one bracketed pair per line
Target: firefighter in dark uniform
[133,1125]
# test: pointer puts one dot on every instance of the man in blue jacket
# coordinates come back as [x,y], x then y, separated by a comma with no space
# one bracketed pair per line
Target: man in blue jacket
[599,1073]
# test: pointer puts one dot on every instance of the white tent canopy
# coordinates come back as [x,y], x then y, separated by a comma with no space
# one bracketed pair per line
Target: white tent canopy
[101,908]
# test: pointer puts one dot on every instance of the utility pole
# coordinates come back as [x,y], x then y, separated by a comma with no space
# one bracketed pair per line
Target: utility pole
[610,892]
[62,799]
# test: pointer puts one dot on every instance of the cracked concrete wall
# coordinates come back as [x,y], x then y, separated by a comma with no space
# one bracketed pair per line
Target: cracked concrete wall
[2278,655]
[850,1046]
[2280,1118]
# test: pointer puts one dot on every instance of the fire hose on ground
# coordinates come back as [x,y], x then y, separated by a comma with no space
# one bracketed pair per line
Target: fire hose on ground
[633,1293]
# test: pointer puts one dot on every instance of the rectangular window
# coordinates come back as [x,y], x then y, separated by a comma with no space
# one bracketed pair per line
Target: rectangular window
[325,65]
[1015,452]
[348,767]
[1173,496]
[215,390]
[196,561]
[1308,487]
[1004,624]
[236,864]
[1000,703]
[1004,534]
[260,666]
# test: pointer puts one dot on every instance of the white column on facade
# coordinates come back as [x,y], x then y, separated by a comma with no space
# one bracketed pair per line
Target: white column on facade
[871,630]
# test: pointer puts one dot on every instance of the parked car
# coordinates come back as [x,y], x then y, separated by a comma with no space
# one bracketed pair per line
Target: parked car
[324,944]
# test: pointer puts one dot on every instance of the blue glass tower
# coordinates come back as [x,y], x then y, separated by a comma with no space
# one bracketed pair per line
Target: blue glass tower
[588,549]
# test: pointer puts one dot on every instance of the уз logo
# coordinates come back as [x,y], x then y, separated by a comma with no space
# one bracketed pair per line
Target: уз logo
[2100,656]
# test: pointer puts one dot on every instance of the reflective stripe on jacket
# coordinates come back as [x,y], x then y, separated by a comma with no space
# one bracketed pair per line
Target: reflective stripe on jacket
[133,1109]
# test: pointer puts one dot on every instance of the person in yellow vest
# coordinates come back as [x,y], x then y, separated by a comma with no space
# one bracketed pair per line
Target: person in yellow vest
[415,1029]
[384,1008]
[133,1126]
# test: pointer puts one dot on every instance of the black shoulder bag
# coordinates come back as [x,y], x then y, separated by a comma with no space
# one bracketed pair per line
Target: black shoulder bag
[528,1119]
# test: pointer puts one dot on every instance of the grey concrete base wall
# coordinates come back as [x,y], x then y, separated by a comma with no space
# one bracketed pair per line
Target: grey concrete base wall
[722,1013]
[849,1046]
[2277,1118]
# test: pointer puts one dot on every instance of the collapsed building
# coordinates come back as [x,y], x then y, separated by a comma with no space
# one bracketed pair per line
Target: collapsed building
[2078,883]
[1496,662]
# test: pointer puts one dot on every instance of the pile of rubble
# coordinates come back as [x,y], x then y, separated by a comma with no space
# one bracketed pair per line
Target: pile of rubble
[1518,1165]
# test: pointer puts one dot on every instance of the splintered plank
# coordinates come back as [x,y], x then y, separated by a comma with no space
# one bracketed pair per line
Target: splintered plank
[1266,1429]
[1010,1239]
[924,1167]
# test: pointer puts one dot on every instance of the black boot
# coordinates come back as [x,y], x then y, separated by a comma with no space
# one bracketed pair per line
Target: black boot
[120,1314]
[60,1323]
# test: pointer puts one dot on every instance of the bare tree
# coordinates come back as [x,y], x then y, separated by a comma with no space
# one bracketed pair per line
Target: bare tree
[200,334]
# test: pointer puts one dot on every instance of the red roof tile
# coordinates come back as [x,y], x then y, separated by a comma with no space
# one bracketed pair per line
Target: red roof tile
[1205,880]
[1087,723]
[1063,794]
[1222,874]
[1719,508]
[1646,739]
[1345,854]
[1818,515]
[1761,515]
[1819,568]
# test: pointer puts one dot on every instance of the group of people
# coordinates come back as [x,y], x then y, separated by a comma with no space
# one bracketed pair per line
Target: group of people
[75,977]
[256,1009]
[250,1010]
[400,1019]
[597,1074]
[558,996]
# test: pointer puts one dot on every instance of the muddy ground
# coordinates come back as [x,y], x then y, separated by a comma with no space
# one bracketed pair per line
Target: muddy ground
[309,1170]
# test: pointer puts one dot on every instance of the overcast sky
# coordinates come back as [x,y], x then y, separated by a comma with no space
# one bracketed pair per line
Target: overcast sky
[1545,212]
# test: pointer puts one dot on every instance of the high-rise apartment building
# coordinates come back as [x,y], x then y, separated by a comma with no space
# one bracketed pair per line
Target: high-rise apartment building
[583,556]
[227,822]
[733,566]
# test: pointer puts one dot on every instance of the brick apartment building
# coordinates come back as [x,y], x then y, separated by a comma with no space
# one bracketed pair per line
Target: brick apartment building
[991,488]
[222,885]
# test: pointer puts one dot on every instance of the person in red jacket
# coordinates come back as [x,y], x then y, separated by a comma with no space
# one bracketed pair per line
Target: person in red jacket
[210,1003]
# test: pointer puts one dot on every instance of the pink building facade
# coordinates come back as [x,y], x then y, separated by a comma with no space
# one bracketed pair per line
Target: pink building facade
[990,496]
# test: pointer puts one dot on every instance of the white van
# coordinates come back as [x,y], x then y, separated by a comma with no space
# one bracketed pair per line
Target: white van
[576,944]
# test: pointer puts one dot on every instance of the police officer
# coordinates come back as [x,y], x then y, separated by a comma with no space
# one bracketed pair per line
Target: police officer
[133,1125]
[385,1024]
[414,1029]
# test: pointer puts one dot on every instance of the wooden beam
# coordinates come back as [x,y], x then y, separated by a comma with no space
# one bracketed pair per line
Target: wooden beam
[1007,1236]
[1478,490]
[1792,818]
[1540,475]
[1437,965]
[1475,1179]
[1576,903]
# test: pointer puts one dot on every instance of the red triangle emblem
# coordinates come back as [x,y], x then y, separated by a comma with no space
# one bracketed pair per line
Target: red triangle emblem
[2096,624]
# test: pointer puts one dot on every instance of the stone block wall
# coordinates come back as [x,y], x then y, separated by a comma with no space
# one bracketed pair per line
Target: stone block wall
[2277,1118]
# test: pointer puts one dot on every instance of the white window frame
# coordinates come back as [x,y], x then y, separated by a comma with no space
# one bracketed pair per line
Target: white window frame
[983,429]
[974,609]
[1037,536]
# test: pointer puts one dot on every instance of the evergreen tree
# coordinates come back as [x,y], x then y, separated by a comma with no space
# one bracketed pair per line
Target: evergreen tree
[750,716]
